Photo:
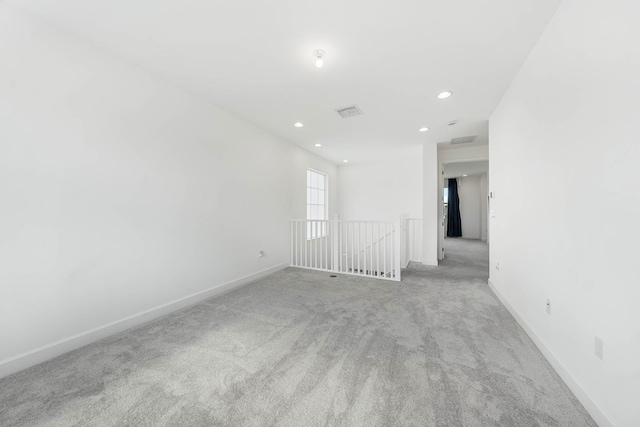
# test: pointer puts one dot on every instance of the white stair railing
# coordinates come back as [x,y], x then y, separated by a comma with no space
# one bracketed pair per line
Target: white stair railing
[364,248]
[369,251]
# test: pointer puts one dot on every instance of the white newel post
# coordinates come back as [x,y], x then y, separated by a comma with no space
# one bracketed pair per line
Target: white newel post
[397,242]
[291,242]
[404,235]
[335,245]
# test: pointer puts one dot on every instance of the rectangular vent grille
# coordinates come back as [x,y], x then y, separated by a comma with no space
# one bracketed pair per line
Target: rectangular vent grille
[349,111]
[464,139]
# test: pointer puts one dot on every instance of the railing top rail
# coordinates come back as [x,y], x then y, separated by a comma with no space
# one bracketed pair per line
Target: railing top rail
[345,220]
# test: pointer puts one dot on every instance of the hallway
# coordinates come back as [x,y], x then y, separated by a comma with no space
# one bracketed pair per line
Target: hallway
[466,254]
[465,259]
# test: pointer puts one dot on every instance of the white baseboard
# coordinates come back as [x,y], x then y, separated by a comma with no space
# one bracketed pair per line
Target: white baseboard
[594,410]
[432,262]
[49,351]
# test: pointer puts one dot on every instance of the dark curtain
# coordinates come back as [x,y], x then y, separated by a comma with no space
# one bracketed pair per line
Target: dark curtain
[454,223]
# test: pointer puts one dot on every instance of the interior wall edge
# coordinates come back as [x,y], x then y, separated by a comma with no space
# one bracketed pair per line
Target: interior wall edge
[34,357]
[591,407]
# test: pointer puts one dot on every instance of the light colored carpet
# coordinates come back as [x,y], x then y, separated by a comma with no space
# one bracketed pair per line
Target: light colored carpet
[301,349]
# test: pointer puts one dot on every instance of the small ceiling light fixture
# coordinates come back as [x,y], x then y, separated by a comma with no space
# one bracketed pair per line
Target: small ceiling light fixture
[318,145]
[345,161]
[319,54]
[445,94]
[423,129]
[464,175]
[298,125]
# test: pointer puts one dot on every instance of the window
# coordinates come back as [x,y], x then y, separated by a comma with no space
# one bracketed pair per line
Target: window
[316,203]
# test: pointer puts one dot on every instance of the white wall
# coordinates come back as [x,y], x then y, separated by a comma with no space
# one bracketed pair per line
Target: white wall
[382,190]
[432,203]
[121,193]
[484,208]
[564,166]
[469,192]
[473,154]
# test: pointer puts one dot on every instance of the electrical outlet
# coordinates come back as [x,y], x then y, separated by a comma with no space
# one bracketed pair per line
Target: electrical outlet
[548,306]
[599,348]
[498,266]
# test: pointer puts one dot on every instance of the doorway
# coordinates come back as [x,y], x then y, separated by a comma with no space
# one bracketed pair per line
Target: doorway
[470,176]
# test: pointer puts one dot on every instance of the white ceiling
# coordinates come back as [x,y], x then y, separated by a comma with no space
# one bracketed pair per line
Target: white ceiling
[254,58]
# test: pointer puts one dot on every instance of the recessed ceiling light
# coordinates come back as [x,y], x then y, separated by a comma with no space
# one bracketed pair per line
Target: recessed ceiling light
[298,125]
[345,161]
[319,54]
[318,145]
[464,175]
[423,129]
[443,95]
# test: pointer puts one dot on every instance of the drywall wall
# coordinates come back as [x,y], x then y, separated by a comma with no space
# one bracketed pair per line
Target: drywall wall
[463,154]
[469,192]
[121,194]
[382,190]
[484,207]
[432,203]
[564,168]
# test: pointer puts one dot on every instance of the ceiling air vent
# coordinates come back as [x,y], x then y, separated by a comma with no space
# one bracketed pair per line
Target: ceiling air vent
[349,111]
[464,139]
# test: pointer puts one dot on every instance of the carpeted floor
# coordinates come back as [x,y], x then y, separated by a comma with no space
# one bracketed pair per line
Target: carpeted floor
[301,349]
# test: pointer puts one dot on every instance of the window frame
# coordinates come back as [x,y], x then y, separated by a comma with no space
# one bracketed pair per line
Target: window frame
[325,204]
